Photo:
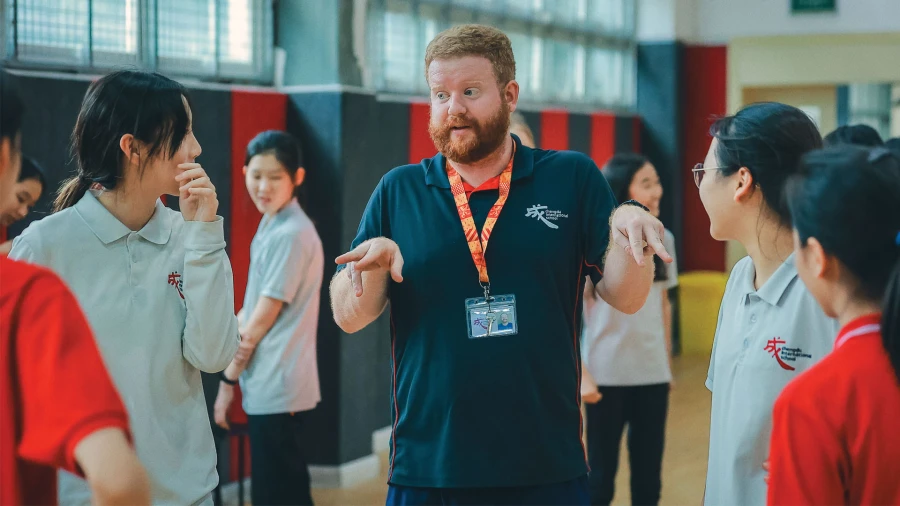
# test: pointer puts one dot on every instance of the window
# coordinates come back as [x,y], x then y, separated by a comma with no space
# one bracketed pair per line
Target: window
[212,39]
[568,52]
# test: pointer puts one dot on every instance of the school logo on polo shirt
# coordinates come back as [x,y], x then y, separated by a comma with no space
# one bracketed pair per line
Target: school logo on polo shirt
[545,215]
[176,281]
[783,354]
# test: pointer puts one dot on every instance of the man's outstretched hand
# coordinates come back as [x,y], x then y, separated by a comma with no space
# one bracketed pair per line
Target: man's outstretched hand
[379,254]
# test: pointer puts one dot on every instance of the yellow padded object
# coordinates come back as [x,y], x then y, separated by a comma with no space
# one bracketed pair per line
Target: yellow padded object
[700,294]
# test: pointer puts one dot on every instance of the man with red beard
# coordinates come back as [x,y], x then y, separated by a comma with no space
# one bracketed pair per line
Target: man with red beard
[486,362]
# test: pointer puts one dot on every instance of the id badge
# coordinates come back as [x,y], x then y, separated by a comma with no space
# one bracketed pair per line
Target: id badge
[498,319]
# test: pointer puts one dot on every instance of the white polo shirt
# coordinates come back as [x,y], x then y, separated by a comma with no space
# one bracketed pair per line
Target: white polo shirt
[160,302]
[764,339]
[629,350]
[287,264]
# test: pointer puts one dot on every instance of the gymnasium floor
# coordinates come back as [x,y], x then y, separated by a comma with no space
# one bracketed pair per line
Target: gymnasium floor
[684,463]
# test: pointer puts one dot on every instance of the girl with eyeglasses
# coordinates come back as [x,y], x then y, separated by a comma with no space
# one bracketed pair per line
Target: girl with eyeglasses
[770,328]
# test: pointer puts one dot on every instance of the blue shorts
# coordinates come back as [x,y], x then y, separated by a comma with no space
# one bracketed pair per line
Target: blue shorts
[568,493]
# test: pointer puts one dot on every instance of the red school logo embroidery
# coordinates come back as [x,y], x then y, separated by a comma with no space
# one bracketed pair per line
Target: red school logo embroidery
[783,354]
[176,281]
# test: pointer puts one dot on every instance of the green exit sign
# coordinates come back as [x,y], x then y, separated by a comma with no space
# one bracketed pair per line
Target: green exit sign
[801,6]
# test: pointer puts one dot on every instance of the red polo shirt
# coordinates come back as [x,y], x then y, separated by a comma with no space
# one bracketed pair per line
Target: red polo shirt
[835,436]
[54,388]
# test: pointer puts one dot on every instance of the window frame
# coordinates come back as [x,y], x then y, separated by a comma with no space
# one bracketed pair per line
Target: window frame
[537,28]
[90,60]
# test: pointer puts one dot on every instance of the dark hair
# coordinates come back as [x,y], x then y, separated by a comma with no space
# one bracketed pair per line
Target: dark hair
[893,144]
[619,172]
[861,135]
[31,170]
[282,145]
[848,198]
[147,105]
[11,108]
[768,138]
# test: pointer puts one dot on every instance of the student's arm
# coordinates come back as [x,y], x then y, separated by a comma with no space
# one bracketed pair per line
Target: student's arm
[805,459]
[261,320]
[72,417]
[5,248]
[112,469]
[211,335]
[359,290]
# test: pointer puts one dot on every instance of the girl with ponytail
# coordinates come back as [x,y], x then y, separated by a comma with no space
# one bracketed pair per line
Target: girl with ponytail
[834,438]
[155,283]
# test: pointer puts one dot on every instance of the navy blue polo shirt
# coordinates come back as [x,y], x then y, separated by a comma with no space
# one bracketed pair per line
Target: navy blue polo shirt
[504,410]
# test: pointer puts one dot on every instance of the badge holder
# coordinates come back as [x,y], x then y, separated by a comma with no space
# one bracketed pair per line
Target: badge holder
[492,316]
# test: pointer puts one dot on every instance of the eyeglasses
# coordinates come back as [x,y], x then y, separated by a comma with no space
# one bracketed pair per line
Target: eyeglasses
[699,170]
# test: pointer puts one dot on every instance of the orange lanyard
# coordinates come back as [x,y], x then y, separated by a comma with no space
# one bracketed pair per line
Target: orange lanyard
[478,245]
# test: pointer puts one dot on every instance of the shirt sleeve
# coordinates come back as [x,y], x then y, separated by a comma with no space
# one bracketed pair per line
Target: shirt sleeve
[66,391]
[210,338]
[712,358]
[805,464]
[598,206]
[373,223]
[287,265]
[672,268]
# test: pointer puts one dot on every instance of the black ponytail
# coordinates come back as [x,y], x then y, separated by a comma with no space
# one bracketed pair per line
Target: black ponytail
[149,106]
[848,198]
[890,316]
[70,192]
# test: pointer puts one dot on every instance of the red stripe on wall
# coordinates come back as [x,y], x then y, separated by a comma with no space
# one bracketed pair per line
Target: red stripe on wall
[420,143]
[554,129]
[703,100]
[603,137]
[636,134]
[251,113]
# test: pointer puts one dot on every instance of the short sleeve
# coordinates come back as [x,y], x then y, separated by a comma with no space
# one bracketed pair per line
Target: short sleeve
[710,375]
[66,392]
[22,252]
[672,268]
[288,258]
[598,206]
[372,224]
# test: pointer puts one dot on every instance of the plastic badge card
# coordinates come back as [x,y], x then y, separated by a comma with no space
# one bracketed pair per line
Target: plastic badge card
[495,319]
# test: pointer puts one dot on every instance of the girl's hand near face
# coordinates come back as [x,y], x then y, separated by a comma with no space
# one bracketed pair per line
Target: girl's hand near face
[197,195]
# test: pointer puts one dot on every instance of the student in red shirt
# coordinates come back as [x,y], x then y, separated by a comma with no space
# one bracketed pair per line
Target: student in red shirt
[58,407]
[835,436]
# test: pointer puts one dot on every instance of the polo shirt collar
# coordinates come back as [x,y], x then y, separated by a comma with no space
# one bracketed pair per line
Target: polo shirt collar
[773,291]
[109,229]
[523,166]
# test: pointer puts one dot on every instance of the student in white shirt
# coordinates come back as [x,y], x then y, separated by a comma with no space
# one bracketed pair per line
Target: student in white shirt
[770,328]
[276,362]
[626,373]
[155,284]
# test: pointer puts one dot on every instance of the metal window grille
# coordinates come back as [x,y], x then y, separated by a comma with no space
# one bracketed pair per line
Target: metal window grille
[204,39]
[568,52]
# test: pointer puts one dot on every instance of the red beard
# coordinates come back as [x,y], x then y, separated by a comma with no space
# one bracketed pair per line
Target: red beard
[487,138]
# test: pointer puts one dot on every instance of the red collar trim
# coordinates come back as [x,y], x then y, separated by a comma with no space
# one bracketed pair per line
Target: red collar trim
[491,184]
[868,325]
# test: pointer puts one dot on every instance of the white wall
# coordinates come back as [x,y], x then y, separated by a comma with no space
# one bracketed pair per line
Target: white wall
[719,21]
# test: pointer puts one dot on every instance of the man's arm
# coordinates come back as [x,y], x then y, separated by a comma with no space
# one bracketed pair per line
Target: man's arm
[352,313]
[625,284]
[359,293]
[635,236]
[112,469]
